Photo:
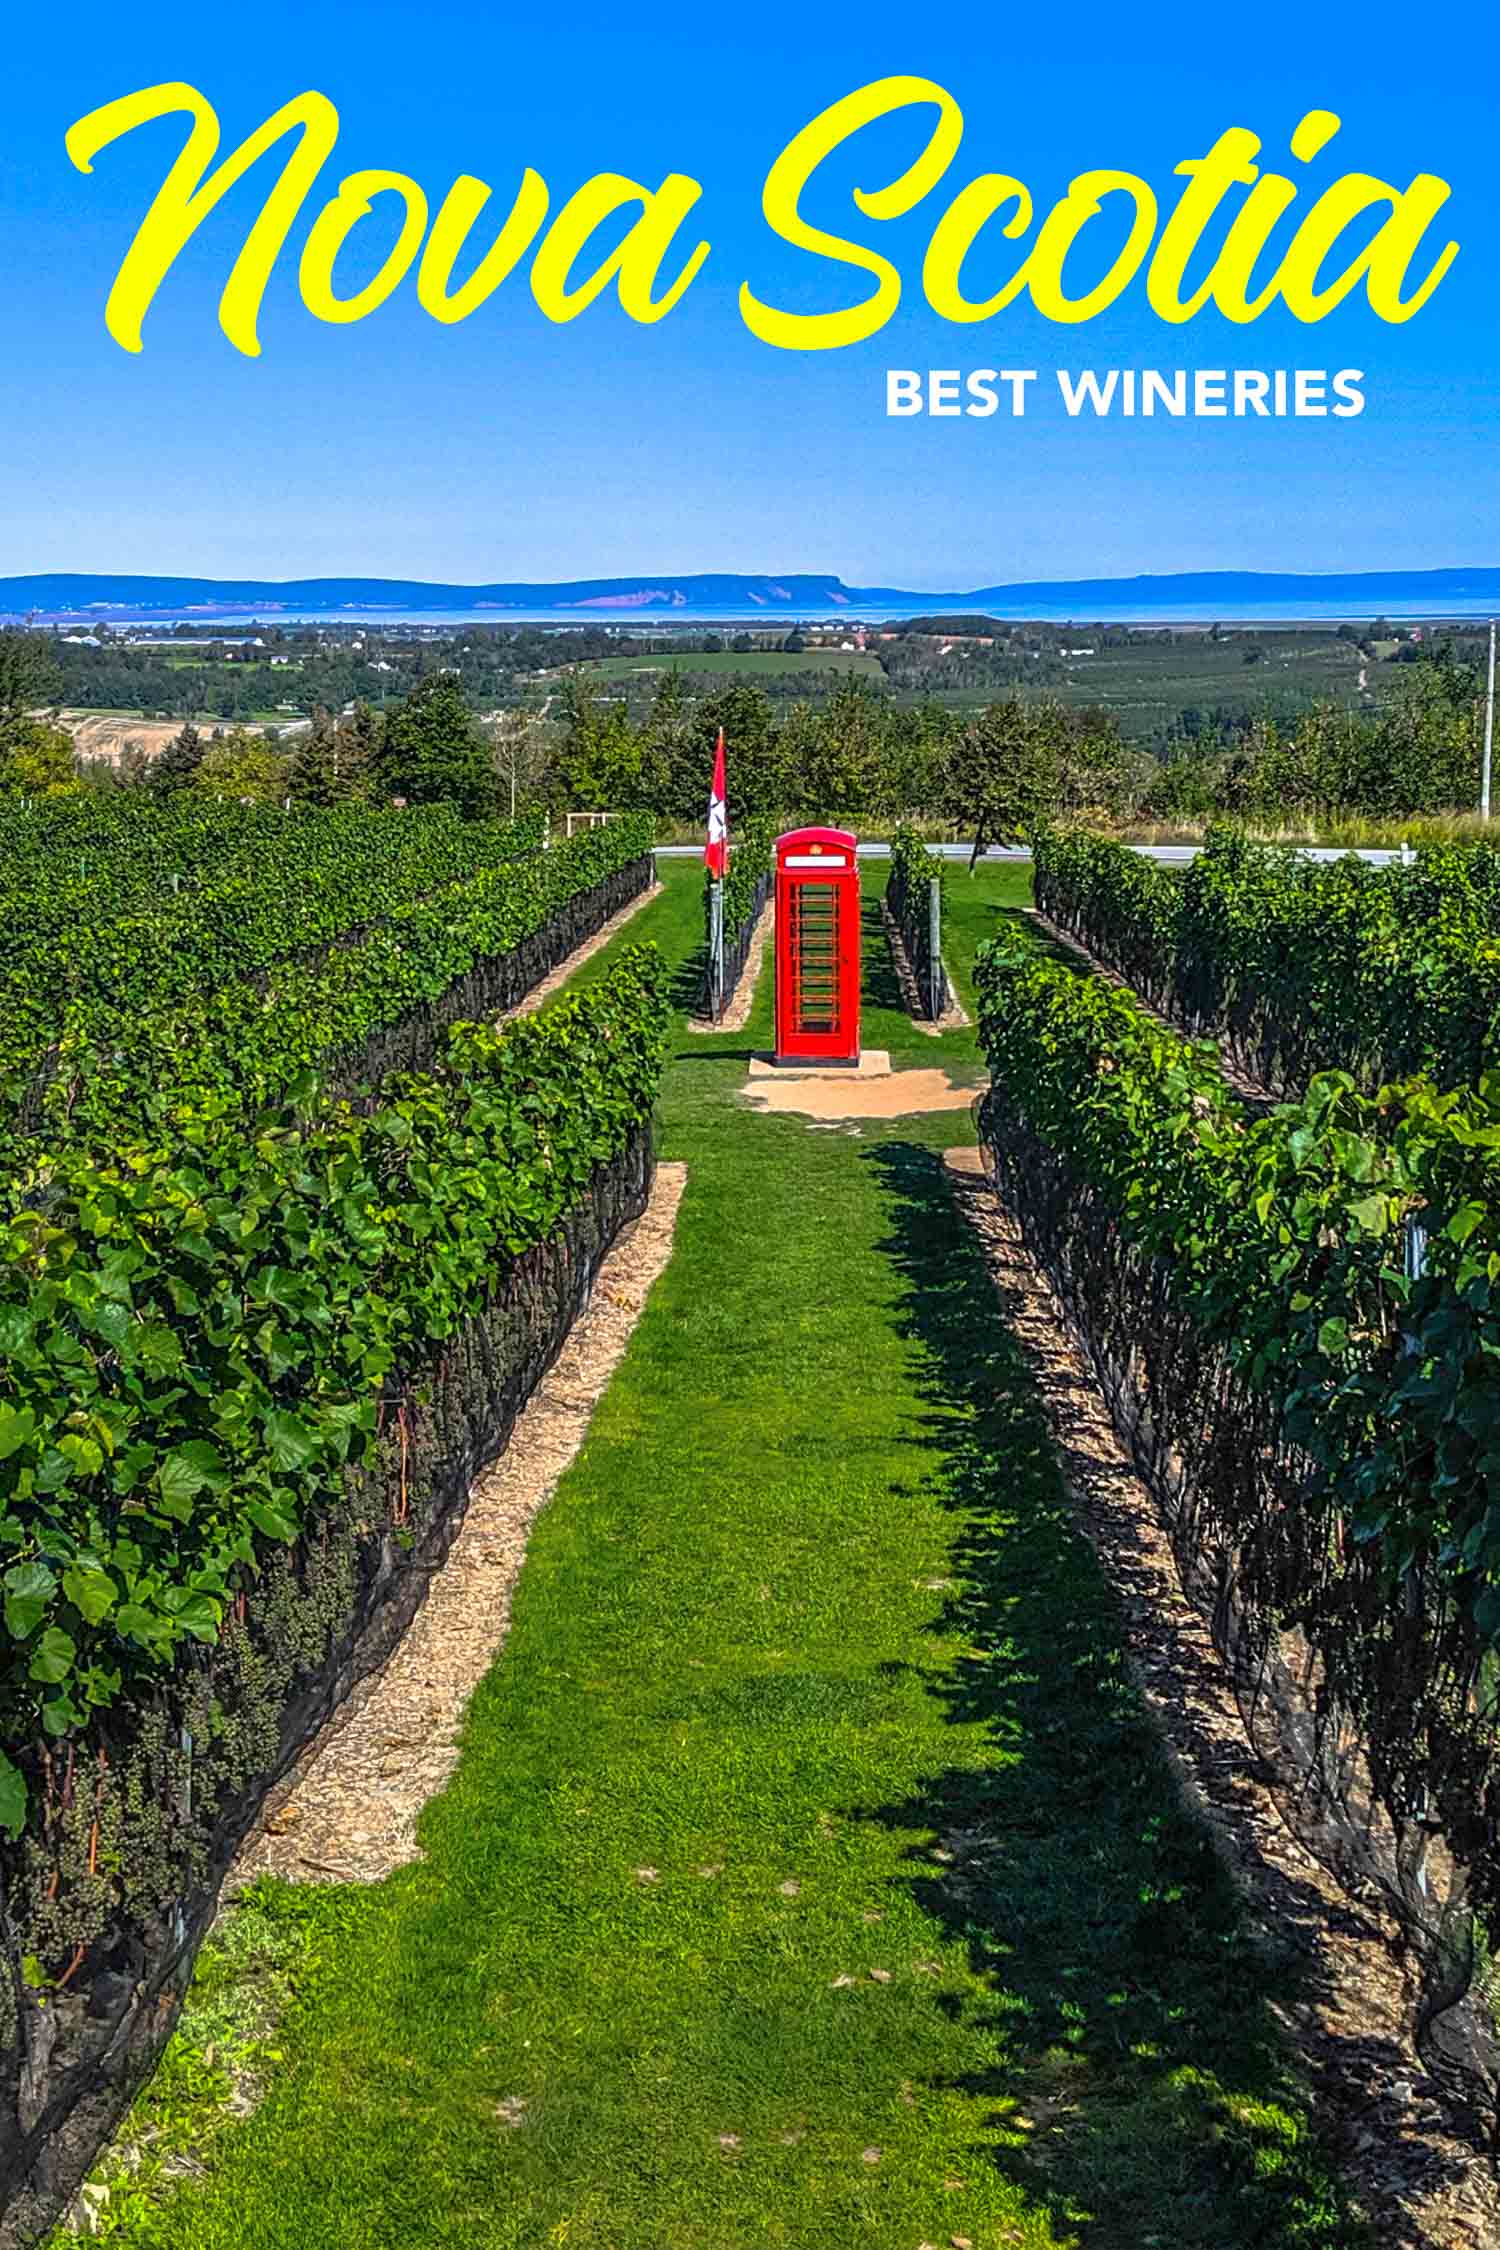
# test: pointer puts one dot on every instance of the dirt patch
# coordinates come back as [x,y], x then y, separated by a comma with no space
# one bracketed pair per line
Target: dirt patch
[737,1014]
[953,1017]
[98,734]
[558,977]
[1423,2185]
[842,1096]
[348,1812]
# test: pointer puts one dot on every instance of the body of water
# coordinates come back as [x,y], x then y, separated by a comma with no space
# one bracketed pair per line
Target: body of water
[650,621]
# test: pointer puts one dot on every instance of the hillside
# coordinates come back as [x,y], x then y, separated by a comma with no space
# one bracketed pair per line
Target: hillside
[1363,593]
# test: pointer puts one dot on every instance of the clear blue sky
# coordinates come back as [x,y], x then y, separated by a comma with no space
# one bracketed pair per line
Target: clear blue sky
[509,448]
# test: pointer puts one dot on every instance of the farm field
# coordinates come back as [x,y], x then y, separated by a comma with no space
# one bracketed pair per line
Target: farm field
[1147,682]
[812,1872]
[1149,685]
[740,663]
[1176,711]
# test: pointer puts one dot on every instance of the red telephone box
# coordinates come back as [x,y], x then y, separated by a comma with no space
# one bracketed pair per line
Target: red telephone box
[817,946]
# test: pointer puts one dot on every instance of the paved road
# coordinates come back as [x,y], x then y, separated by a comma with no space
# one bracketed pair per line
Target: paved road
[1170,855]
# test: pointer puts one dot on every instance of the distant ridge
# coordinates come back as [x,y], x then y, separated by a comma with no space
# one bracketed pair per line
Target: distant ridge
[668,595]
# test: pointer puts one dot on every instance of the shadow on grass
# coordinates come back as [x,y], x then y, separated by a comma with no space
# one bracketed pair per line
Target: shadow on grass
[1131,1997]
[1053,949]
[688,981]
[879,985]
[706,1053]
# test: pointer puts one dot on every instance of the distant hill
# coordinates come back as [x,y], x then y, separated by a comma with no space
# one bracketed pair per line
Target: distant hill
[666,595]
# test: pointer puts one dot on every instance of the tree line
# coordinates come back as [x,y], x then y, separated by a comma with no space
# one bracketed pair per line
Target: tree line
[855,754]
[1025,759]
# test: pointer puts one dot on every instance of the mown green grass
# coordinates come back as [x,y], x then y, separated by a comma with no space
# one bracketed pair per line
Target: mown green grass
[812,1876]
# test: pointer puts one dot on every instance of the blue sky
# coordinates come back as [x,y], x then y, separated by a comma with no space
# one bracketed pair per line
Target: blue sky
[506,447]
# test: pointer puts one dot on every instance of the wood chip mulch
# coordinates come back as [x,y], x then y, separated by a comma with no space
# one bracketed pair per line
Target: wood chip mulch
[348,1812]
[1409,2164]
[953,1017]
[558,977]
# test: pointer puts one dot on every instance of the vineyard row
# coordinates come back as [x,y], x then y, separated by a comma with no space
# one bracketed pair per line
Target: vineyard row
[1299,966]
[1295,1317]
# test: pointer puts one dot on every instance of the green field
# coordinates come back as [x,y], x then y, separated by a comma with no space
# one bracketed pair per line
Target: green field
[1149,683]
[749,664]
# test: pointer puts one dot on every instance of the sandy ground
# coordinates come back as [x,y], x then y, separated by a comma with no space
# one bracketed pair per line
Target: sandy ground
[348,1812]
[104,734]
[1423,2185]
[844,1096]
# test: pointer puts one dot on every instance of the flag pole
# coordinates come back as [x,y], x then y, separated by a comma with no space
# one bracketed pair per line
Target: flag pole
[716,854]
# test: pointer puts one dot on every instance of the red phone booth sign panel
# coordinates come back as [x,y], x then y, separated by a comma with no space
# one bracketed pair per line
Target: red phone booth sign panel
[817,946]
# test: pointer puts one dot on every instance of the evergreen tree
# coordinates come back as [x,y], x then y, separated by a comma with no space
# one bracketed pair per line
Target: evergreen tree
[134,769]
[744,711]
[434,751]
[675,762]
[29,676]
[600,762]
[848,777]
[330,762]
[359,743]
[177,766]
[312,774]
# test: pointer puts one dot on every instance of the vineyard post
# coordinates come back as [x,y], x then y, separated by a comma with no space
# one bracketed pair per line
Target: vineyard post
[1489,732]
[1414,1256]
[935,992]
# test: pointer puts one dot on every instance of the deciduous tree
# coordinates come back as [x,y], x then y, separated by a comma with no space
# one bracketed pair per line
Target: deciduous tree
[36,759]
[1002,774]
[243,764]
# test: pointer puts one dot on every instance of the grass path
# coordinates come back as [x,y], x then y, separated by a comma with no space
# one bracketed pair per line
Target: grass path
[811,1876]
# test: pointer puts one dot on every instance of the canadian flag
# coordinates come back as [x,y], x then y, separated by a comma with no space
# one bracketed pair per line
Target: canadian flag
[716,851]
